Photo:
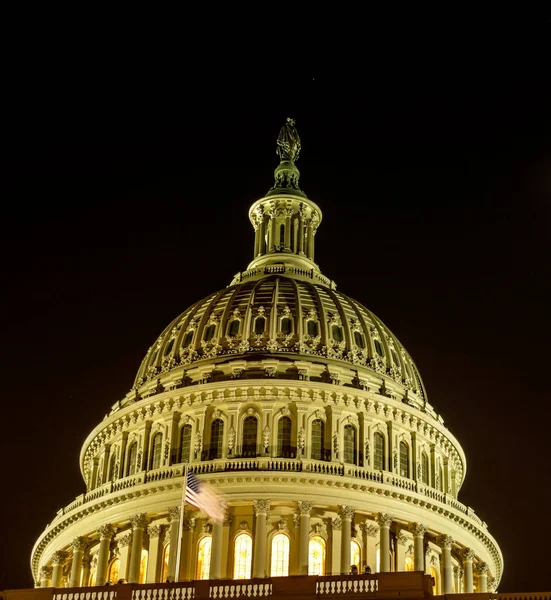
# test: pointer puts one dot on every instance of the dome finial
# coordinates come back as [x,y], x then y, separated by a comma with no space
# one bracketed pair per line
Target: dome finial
[288,149]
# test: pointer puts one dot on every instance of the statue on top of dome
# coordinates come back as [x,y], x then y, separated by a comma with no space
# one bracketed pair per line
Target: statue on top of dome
[288,142]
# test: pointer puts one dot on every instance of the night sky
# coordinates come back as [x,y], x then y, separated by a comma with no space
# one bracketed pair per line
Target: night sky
[125,200]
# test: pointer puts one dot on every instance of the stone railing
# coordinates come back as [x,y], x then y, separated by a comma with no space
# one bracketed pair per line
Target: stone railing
[88,593]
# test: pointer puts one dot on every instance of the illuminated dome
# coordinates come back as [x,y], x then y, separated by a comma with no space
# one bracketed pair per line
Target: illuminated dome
[307,414]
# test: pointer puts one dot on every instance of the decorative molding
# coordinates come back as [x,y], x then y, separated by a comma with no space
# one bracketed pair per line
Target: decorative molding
[139,521]
[154,531]
[346,512]
[305,507]
[384,519]
[261,507]
[418,529]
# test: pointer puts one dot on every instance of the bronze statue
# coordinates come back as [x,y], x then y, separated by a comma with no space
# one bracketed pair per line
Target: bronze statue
[288,142]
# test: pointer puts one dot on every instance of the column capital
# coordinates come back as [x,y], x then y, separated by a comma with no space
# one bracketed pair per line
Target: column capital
[305,507]
[228,520]
[458,571]
[468,554]
[59,557]
[189,524]
[446,541]
[106,531]
[370,529]
[482,568]
[124,541]
[139,521]
[418,529]
[384,519]
[346,512]
[261,507]
[46,572]
[173,513]
[402,538]
[336,523]
[154,531]
[78,543]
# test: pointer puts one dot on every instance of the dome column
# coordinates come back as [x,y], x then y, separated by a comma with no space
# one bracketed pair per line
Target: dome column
[76,568]
[106,533]
[305,508]
[216,550]
[482,570]
[154,532]
[261,509]
[457,576]
[188,527]
[346,514]
[446,542]
[418,531]
[174,532]
[139,523]
[57,561]
[45,576]
[85,579]
[385,521]
[468,557]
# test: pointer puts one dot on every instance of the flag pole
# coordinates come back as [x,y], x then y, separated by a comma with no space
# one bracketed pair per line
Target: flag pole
[181,526]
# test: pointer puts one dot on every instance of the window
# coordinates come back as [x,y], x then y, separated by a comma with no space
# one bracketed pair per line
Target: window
[286,326]
[112,464]
[93,575]
[209,333]
[234,328]
[143,566]
[203,558]
[379,451]
[379,348]
[164,564]
[404,459]
[259,325]
[188,338]
[114,571]
[318,437]
[336,333]
[425,468]
[355,554]
[434,575]
[250,427]
[316,556]
[243,556]
[312,328]
[169,347]
[280,556]
[284,437]
[156,451]
[350,444]
[441,478]
[216,438]
[185,444]
[131,465]
[409,564]
[282,236]
[359,339]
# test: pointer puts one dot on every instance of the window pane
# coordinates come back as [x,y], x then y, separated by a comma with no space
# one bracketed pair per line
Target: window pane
[234,328]
[425,468]
[318,436]
[216,438]
[284,437]
[169,347]
[359,339]
[166,554]
[209,333]
[157,450]
[336,333]
[379,451]
[114,571]
[259,325]
[185,444]
[143,566]
[203,558]
[132,459]
[409,565]
[286,326]
[250,426]
[316,556]
[312,328]
[187,339]
[280,556]
[404,459]
[350,444]
[355,554]
[379,348]
[243,556]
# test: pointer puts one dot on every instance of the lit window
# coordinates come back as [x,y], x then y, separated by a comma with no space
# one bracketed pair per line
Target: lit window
[93,575]
[316,556]
[216,438]
[243,556]
[185,444]
[250,426]
[350,444]
[355,554]
[209,333]
[166,556]
[336,333]
[379,348]
[359,339]
[434,575]
[157,451]
[318,433]
[114,571]
[312,328]
[169,347]
[203,558]
[379,451]
[259,325]
[234,328]
[187,339]
[143,566]
[425,468]
[409,565]
[280,556]
[286,326]
[404,459]
[131,467]
[284,438]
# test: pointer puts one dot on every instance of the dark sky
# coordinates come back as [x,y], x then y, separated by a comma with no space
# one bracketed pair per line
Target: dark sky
[125,199]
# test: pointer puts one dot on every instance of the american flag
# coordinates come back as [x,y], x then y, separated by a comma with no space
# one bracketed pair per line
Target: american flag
[204,497]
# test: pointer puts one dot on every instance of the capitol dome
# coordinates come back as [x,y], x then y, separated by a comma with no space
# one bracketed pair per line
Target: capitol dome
[307,415]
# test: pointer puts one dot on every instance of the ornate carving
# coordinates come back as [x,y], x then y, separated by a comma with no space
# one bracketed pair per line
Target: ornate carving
[446,541]
[384,519]
[139,521]
[198,445]
[305,507]
[173,513]
[270,371]
[261,507]
[231,438]
[482,568]
[336,444]
[266,433]
[154,531]
[346,512]
[301,439]
[106,531]
[402,538]
[243,526]
[228,520]
[285,411]
[206,527]
[395,458]
[78,543]
[124,541]
[468,554]
[189,524]
[367,453]
[281,525]
[418,529]
[371,530]
[59,557]
[296,519]
[46,572]
[336,522]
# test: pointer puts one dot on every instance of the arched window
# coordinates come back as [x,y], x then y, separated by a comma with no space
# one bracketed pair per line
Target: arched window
[336,333]
[434,575]
[164,564]
[316,556]
[234,328]
[250,427]
[355,554]
[350,444]
[404,459]
[209,333]
[282,236]
[425,468]
[318,437]
[93,576]
[379,451]
[409,564]
[284,438]
[243,556]
[359,339]
[280,556]
[185,444]
[203,558]
[112,464]
[131,465]
[379,348]
[169,347]
[113,576]
[312,328]
[188,338]
[143,566]
[259,325]
[216,438]
[156,451]
[286,326]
